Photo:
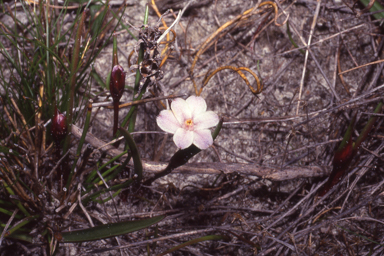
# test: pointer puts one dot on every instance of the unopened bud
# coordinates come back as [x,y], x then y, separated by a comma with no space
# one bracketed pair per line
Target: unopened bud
[59,126]
[116,86]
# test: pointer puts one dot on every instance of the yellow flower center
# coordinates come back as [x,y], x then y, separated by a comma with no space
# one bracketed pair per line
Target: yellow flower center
[189,123]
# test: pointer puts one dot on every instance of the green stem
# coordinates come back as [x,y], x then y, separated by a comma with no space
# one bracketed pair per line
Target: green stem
[115,116]
[368,127]
[74,63]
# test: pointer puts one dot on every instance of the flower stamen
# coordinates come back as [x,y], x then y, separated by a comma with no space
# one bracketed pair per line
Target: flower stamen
[189,122]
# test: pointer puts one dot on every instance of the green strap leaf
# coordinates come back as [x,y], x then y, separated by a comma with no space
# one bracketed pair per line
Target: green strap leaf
[107,230]
[130,143]
[374,8]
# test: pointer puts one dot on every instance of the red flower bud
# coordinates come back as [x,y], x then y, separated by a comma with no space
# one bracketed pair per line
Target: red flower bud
[59,126]
[117,83]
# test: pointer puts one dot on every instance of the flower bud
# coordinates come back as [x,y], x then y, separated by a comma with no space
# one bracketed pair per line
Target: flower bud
[59,126]
[117,83]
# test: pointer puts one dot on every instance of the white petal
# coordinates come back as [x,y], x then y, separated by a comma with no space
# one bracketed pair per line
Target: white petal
[197,105]
[183,138]
[181,110]
[167,121]
[202,139]
[205,120]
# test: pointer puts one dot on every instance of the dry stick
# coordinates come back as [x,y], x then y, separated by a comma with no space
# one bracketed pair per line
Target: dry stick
[234,154]
[366,75]
[281,242]
[306,54]
[337,65]
[364,65]
[371,63]
[295,206]
[276,77]
[288,198]
[228,195]
[364,219]
[13,122]
[318,203]
[7,225]
[84,210]
[362,172]
[364,202]
[302,215]
[109,104]
[317,42]
[346,87]
[24,122]
[154,7]
[308,147]
[179,15]
[324,76]
[291,24]
[353,103]
[340,195]
[357,101]
[57,165]
[265,172]
[12,181]
[336,19]
[376,76]
[377,187]
[73,206]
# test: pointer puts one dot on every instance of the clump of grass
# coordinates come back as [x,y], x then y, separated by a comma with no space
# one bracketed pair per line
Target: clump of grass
[44,76]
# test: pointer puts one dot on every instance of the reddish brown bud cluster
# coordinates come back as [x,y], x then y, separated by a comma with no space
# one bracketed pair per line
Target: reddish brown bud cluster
[59,126]
[117,83]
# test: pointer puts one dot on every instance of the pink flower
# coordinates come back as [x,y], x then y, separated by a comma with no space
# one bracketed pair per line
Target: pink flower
[189,121]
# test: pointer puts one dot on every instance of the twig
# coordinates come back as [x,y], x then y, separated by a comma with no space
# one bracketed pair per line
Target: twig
[7,225]
[362,172]
[174,23]
[362,66]
[265,172]
[306,55]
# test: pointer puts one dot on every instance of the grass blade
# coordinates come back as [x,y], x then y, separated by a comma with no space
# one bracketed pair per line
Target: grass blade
[130,143]
[107,230]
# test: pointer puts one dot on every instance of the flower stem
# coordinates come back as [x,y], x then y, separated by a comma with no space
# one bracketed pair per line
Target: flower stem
[115,116]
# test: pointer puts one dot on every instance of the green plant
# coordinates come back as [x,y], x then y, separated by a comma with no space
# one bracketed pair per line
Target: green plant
[347,150]
[45,73]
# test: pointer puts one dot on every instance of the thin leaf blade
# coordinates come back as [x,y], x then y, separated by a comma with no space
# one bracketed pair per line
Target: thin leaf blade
[107,230]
